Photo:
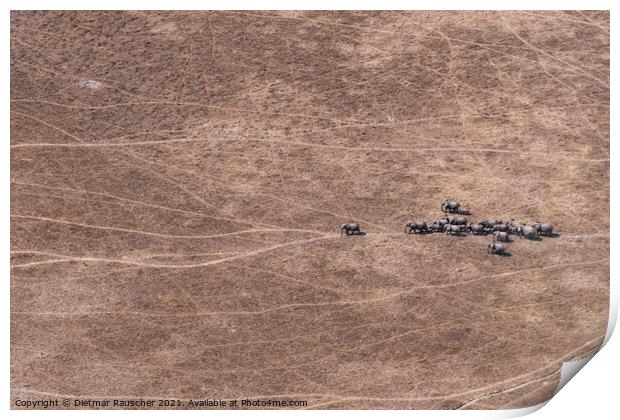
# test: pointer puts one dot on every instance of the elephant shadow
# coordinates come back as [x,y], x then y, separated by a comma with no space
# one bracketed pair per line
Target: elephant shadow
[420,232]
[504,254]
[424,232]
[535,238]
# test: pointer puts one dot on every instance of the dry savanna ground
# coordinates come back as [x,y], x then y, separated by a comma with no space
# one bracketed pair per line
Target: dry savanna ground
[178,181]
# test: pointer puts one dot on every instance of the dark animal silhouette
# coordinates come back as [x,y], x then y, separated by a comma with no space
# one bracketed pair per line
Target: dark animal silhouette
[543,228]
[453,229]
[436,227]
[476,229]
[527,232]
[501,236]
[489,223]
[495,248]
[350,229]
[500,228]
[457,220]
[450,206]
[416,226]
[513,226]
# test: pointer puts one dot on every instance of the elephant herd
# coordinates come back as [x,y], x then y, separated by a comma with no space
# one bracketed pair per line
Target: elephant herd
[459,225]
[454,222]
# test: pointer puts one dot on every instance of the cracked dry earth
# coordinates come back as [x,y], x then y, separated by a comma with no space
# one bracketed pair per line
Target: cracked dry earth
[178,181]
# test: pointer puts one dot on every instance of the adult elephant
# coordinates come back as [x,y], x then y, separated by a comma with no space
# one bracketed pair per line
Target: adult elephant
[513,222]
[416,226]
[497,249]
[514,230]
[490,223]
[501,236]
[527,232]
[500,228]
[453,229]
[436,227]
[450,206]
[457,220]
[476,229]
[350,229]
[513,226]
[543,228]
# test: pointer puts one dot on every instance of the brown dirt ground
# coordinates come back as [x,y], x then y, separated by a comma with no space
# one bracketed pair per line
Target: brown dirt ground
[178,180]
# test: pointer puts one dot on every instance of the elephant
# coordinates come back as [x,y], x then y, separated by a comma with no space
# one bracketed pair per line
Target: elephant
[450,206]
[501,236]
[457,220]
[527,232]
[453,229]
[490,222]
[512,222]
[500,228]
[514,230]
[436,227]
[543,228]
[441,222]
[495,248]
[350,229]
[513,226]
[476,229]
[416,226]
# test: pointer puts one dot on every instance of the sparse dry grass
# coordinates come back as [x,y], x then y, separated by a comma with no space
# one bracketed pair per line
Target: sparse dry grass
[175,229]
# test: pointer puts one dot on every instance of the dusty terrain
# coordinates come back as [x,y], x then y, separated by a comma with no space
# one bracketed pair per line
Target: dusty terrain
[178,181]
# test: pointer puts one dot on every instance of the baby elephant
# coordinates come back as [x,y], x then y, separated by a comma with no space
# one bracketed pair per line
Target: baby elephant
[496,249]
[501,236]
[350,229]
[416,226]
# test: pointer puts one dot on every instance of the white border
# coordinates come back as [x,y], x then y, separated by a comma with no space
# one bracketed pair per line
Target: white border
[597,384]
[314,5]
